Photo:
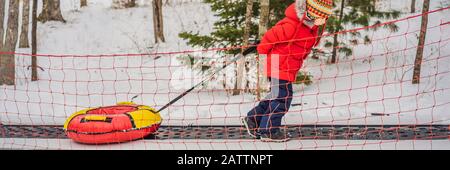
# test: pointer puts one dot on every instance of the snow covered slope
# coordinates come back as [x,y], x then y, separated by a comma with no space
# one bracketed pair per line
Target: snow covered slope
[375,79]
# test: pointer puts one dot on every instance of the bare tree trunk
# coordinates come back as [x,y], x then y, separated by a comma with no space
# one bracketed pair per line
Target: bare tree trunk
[334,52]
[124,3]
[335,38]
[263,24]
[413,6]
[2,20]
[2,31]
[264,16]
[158,24]
[51,11]
[117,4]
[374,4]
[248,22]
[83,3]
[13,26]
[23,42]
[423,33]
[7,66]
[241,62]
[131,3]
[34,76]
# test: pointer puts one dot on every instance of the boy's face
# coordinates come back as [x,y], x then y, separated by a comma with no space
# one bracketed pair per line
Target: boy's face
[319,21]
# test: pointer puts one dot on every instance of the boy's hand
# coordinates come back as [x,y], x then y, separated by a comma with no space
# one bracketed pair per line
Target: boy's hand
[319,21]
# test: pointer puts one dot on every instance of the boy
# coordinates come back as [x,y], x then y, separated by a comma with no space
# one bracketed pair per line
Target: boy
[286,45]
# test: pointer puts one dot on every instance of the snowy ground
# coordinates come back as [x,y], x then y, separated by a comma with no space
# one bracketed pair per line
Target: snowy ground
[57,144]
[375,79]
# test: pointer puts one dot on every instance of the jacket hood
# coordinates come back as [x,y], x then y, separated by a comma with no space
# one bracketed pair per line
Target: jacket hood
[296,10]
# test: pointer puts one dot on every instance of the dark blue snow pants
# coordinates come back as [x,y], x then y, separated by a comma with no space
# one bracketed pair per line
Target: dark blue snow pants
[270,111]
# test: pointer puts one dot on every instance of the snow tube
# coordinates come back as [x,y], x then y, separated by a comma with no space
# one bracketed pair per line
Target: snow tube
[112,124]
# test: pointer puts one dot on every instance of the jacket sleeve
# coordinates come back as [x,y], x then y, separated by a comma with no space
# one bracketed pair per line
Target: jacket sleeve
[279,33]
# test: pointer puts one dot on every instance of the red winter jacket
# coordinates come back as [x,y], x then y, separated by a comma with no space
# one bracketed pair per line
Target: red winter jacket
[279,40]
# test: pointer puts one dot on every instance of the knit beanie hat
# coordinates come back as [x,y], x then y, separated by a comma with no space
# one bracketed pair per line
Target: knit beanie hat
[318,8]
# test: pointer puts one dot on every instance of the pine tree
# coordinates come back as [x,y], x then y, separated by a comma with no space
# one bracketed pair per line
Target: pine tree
[359,13]
[232,30]
[229,30]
